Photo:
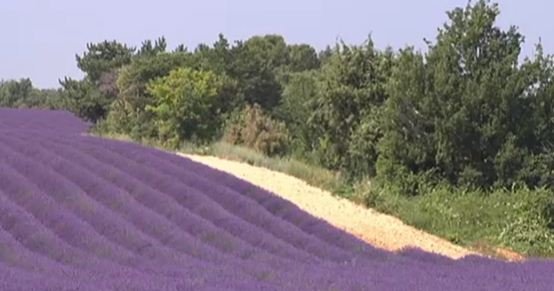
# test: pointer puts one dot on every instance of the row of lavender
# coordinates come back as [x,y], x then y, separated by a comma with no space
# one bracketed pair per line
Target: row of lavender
[82,213]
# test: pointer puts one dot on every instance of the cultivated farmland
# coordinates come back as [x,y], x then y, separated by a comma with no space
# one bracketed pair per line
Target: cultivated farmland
[82,213]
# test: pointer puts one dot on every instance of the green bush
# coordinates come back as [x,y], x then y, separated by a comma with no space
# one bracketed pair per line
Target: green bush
[519,218]
[186,105]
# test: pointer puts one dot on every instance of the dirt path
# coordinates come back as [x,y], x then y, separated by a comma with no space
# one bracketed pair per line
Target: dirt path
[378,229]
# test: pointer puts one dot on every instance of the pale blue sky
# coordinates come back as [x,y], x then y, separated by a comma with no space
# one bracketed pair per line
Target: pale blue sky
[39,38]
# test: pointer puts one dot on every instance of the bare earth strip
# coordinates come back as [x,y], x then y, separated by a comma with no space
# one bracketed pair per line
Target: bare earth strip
[380,230]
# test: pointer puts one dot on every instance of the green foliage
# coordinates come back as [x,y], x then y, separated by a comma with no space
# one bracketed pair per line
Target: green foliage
[48,99]
[519,219]
[351,90]
[528,226]
[101,58]
[91,97]
[302,57]
[465,110]
[297,105]
[15,93]
[362,152]
[21,93]
[186,105]
[149,49]
[217,58]
[255,65]
[252,128]
[128,114]
[85,100]
[134,78]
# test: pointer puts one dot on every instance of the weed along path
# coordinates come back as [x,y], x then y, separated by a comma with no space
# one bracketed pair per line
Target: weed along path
[378,229]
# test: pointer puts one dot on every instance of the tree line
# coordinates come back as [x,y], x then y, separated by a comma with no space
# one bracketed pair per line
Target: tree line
[466,112]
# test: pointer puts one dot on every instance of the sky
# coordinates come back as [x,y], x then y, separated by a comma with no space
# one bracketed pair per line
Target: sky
[39,38]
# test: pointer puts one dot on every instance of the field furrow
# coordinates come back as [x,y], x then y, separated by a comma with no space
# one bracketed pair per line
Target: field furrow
[83,213]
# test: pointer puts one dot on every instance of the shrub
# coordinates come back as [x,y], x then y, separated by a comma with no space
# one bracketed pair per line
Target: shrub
[518,218]
[186,105]
[251,127]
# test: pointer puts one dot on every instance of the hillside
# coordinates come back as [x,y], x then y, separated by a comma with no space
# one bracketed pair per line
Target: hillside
[83,213]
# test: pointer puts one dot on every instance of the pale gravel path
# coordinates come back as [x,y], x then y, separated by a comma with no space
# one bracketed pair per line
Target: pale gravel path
[380,230]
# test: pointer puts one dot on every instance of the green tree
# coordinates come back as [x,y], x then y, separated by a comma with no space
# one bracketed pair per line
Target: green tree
[302,57]
[147,48]
[128,112]
[297,105]
[51,99]
[15,93]
[465,111]
[255,66]
[351,91]
[104,57]
[84,99]
[405,121]
[186,105]
[216,58]
[91,97]
[22,94]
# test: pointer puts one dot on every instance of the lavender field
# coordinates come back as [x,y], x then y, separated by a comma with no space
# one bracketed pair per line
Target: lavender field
[83,213]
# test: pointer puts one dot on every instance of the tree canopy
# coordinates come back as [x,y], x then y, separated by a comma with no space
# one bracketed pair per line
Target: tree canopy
[467,112]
